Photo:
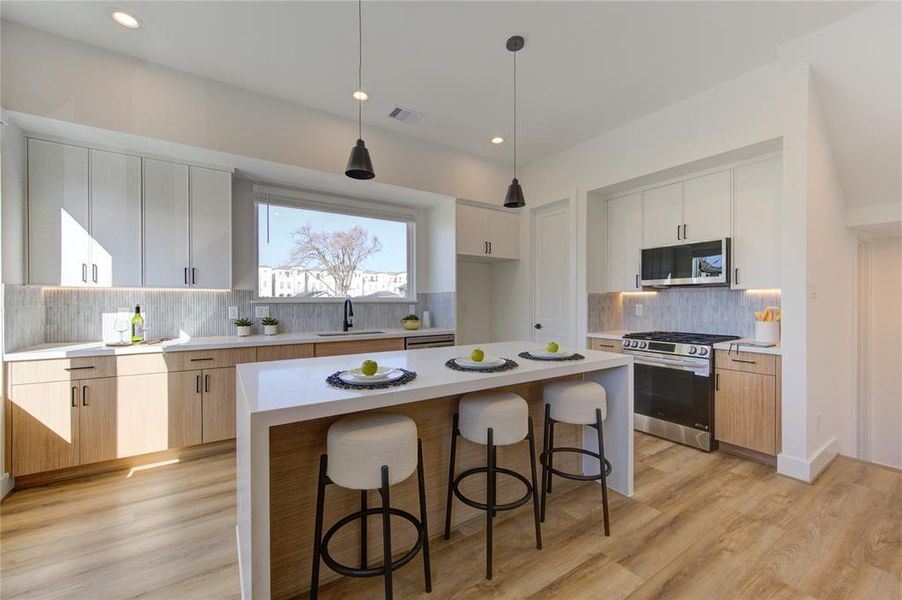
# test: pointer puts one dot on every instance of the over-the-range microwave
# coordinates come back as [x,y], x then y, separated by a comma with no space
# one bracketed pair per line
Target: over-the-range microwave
[697,263]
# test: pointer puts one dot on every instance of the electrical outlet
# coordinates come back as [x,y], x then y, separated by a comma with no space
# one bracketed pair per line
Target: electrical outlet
[233,312]
[261,312]
[640,310]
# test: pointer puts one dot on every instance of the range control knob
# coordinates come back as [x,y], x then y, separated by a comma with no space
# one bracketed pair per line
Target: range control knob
[642,345]
[703,351]
[692,349]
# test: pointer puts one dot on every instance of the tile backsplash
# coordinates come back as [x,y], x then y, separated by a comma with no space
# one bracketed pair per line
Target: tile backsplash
[36,315]
[697,310]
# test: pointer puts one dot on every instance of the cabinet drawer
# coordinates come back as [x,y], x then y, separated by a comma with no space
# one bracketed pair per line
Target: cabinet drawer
[285,352]
[359,346]
[749,362]
[209,359]
[604,345]
[62,369]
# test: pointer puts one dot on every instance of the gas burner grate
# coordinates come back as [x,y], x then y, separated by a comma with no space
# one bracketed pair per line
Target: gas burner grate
[677,337]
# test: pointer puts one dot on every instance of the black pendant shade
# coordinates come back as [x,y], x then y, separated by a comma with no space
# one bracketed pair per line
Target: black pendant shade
[359,164]
[514,198]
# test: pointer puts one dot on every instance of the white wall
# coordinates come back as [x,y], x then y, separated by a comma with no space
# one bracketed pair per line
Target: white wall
[884,415]
[475,317]
[13,201]
[441,248]
[49,76]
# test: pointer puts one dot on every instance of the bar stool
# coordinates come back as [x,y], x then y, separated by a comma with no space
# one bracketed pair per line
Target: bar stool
[493,418]
[366,452]
[576,403]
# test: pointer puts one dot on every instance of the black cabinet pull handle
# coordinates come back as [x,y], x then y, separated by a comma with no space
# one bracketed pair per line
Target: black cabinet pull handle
[717,382]
[741,360]
[84,272]
[186,275]
[637,281]
[538,325]
[84,395]
[197,384]
[193,275]
[678,232]
[684,232]
[94,272]
[74,395]
[490,247]
[206,383]
[78,368]
[736,275]
[201,359]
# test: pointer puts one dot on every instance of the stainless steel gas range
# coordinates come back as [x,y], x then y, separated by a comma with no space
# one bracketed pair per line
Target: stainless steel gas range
[674,389]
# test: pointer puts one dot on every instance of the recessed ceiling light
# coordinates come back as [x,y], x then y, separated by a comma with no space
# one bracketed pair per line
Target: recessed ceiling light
[361,96]
[497,140]
[126,20]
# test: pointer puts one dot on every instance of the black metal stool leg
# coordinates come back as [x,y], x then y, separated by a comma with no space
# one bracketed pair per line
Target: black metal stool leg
[490,501]
[421,482]
[363,538]
[545,449]
[386,533]
[451,477]
[318,527]
[601,460]
[550,457]
[535,492]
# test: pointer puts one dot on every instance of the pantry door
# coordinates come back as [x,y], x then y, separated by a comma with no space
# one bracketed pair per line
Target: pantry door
[552,301]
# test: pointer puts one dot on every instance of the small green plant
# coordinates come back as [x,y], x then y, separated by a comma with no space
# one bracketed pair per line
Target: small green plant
[270,321]
[243,323]
[410,317]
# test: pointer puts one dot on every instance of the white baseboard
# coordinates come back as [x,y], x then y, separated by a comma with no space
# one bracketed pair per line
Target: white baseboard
[808,470]
[6,485]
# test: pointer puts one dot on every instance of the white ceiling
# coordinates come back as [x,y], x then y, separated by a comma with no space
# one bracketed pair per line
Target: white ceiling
[587,66]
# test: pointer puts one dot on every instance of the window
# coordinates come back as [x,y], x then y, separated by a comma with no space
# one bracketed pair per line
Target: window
[307,253]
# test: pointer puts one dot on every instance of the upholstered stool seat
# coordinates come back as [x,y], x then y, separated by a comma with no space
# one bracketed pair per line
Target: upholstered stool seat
[505,413]
[359,445]
[575,401]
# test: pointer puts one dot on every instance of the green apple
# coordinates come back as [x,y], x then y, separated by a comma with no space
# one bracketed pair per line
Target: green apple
[553,347]
[477,355]
[369,367]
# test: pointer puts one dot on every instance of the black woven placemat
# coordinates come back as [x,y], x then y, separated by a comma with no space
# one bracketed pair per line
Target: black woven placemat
[574,356]
[335,381]
[507,366]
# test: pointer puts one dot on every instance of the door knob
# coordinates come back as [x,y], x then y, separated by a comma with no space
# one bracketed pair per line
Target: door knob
[538,325]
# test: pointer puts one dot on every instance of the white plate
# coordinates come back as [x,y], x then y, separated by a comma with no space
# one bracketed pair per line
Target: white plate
[382,375]
[487,362]
[561,353]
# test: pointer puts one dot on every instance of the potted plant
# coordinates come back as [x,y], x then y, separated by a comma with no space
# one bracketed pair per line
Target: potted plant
[243,326]
[410,322]
[270,326]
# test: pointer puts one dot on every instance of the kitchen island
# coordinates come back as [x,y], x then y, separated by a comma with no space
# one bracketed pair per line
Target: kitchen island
[284,409]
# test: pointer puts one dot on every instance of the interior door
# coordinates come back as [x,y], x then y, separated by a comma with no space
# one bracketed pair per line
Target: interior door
[552,292]
[59,240]
[211,228]
[165,224]
[707,207]
[624,243]
[44,426]
[471,230]
[219,404]
[662,216]
[115,219]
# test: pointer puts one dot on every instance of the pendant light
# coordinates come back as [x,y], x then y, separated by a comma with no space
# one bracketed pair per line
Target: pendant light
[514,198]
[359,164]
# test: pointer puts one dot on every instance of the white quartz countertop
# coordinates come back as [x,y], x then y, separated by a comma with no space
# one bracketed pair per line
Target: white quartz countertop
[298,390]
[744,345]
[612,334]
[73,350]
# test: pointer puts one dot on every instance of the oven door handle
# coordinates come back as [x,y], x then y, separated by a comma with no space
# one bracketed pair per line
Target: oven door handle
[701,370]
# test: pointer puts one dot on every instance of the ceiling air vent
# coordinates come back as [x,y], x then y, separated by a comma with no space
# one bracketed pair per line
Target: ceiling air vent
[405,115]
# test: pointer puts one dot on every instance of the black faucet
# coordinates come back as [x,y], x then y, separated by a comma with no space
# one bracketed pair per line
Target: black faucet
[349,315]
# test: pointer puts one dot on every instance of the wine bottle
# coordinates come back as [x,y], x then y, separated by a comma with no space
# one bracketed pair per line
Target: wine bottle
[137,326]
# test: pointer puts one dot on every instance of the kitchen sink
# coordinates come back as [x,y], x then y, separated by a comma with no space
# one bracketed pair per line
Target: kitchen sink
[342,333]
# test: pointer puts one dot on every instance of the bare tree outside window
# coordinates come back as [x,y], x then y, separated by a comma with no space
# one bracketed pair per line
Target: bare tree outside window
[338,254]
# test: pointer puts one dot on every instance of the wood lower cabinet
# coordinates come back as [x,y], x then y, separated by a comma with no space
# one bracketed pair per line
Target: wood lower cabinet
[218,404]
[604,345]
[44,426]
[746,409]
[98,420]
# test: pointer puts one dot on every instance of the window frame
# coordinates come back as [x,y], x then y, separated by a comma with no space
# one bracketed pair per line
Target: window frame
[272,196]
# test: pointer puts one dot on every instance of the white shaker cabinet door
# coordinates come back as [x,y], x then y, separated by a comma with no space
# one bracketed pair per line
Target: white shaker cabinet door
[115,219]
[662,216]
[757,202]
[471,230]
[502,232]
[59,239]
[165,224]
[706,207]
[624,243]
[211,228]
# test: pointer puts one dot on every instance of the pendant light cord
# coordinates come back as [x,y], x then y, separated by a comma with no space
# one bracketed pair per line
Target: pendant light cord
[515,115]
[360,67]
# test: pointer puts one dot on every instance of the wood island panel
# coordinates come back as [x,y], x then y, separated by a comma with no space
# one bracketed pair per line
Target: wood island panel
[284,352]
[295,449]
[358,346]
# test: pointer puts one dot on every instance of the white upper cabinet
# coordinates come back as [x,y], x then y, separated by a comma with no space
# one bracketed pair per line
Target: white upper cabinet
[706,207]
[662,216]
[166,260]
[211,228]
[59,239]
[757,201]
[115,219]
[624,249]
[487,233]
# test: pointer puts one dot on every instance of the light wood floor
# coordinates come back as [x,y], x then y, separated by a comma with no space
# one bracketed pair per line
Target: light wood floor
[699,526]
